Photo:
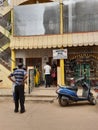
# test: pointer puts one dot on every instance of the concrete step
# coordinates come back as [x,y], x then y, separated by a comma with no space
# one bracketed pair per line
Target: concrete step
[30,98]
[37,95]
[40,99]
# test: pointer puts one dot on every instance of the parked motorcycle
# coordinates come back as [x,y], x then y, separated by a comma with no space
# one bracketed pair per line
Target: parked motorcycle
[68,94]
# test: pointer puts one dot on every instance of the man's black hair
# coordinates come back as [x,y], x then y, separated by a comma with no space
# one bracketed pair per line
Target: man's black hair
[47,63]
[20,65]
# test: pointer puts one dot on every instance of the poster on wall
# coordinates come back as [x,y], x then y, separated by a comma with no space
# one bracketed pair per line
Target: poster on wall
[36,19]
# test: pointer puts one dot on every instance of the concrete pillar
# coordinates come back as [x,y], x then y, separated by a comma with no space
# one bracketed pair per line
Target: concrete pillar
[13,62]
[61,32]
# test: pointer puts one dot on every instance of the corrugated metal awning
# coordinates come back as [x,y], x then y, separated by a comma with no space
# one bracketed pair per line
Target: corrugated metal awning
[52,41]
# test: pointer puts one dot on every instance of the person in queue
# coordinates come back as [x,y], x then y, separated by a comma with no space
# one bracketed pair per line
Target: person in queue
[47,71]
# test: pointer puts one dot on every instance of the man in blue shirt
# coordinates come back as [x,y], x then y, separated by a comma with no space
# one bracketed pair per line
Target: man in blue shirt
[20,76]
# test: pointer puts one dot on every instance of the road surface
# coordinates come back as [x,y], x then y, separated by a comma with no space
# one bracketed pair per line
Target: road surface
[48,116]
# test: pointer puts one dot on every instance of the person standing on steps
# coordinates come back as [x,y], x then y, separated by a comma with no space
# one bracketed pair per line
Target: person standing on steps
[47,71]
[20,76]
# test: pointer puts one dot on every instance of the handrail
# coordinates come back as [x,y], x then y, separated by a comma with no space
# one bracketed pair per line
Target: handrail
[4,31]
[5,64]
[4,10]
[4,47]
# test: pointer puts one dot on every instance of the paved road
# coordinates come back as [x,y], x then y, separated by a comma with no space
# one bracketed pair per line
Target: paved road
[48,116]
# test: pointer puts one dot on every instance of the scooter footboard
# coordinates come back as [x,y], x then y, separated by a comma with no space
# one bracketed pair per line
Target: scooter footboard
[69,97]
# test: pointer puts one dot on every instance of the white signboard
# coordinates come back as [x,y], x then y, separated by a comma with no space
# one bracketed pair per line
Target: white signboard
[60,54]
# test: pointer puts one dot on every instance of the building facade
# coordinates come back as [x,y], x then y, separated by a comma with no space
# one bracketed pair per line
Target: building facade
[74,29]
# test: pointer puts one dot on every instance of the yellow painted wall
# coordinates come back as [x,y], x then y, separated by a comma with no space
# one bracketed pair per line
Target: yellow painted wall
[6,83]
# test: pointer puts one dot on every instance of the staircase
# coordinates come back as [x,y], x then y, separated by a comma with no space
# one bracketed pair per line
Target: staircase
[5,52]
[42,94]
[5,31]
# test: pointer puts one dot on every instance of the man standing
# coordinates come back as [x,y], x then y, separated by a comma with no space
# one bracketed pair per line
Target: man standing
[20,75]
[47,71]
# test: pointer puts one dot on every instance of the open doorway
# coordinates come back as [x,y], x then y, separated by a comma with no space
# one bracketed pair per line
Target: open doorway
[37,64]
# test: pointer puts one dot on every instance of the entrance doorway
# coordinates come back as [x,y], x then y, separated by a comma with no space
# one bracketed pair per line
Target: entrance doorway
[36,63]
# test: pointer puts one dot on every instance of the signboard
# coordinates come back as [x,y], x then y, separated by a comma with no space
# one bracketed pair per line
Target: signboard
[60,54]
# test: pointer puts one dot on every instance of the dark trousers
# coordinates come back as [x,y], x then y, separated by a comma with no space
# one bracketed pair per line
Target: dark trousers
[19,96]
[48,80]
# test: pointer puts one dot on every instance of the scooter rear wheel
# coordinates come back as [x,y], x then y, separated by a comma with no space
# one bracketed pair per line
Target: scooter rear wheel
[62,102]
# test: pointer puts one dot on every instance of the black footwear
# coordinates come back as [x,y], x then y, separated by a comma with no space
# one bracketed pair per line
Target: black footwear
[22,111]
[15,111]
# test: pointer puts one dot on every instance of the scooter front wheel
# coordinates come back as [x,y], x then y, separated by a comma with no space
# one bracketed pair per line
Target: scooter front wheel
[92,100]
[63,102]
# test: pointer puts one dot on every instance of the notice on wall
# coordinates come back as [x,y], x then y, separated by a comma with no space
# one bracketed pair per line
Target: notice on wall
[60,54]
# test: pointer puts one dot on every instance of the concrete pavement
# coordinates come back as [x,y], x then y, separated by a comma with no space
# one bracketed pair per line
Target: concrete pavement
[49,116]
